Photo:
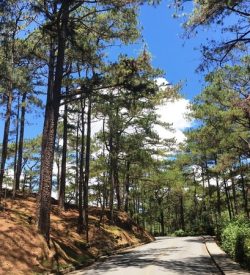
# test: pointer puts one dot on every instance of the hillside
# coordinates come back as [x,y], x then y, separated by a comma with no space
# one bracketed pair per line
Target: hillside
[23,250]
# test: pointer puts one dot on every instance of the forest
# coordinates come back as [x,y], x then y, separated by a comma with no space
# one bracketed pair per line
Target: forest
[55,66]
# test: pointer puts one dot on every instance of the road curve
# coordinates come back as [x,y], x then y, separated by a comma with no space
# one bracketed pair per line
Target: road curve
[167,255]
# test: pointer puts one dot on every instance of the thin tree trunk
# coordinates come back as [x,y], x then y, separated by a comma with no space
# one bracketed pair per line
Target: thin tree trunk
[218,196]
[218,204]
[21,138]
[64,160]
[80,180]
[16,144]
[227,199]
[116,183]
[182,219]
[82,165]
[111,180]
[87,168]
[162,223]
[127,186]
[5,136]
[234,196]
[244,193]
[9,95]
[77,163]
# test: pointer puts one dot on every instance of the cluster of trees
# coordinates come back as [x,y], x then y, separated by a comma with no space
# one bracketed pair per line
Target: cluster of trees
[207,182]
[53,56]
[209,177]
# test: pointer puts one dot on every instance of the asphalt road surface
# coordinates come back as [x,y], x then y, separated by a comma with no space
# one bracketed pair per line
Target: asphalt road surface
[167,255]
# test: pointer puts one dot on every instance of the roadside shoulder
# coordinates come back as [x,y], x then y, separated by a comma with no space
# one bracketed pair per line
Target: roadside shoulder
[226,265]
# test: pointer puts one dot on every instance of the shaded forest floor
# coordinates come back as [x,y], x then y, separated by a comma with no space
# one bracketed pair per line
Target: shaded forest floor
[24,251]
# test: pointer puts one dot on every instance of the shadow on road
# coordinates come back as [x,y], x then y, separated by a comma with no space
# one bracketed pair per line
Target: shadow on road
[144,258]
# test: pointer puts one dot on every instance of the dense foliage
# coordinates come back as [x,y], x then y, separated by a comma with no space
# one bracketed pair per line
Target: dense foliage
[235,240]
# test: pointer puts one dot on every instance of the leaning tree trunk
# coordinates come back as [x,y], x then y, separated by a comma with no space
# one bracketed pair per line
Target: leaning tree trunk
[50,127]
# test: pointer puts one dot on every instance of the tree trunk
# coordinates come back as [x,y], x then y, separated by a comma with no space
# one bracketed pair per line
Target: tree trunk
[218,204]
[5,136]
[61,199]
[162,223]
[50,127]
[127,187]
[82,164]
[116,183]
[77,164]
[16,145]
[234,196]
[182,220]
[111,179]
[244,193]
[87,169]
[227,199]
[21,138]
[80,179]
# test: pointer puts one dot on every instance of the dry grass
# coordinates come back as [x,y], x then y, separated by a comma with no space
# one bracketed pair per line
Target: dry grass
[24,251]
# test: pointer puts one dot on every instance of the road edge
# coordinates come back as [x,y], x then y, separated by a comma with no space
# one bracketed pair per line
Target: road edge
[223,262]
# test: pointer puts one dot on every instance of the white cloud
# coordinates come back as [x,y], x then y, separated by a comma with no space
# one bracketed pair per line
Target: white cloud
[174,113]
[161,81]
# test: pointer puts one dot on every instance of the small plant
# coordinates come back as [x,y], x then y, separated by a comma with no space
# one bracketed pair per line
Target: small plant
[180,233]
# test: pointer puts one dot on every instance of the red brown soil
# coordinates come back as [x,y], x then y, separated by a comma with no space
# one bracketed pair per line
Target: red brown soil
[24,251]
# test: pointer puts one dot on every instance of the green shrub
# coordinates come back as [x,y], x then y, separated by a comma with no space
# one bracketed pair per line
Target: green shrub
[180,233]
[235,240]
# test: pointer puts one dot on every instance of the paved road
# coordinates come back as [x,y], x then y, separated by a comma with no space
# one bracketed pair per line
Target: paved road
[167,255]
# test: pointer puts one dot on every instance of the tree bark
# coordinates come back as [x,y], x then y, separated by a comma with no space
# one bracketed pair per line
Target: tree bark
[16,144]
[82,164]
[6,136]
[127,187]
[50,127]
[244,193]
[234,196]
[64,160]
[77,163]
[182,219]
[21,138]
[227,199]
[111,179]
[87,168]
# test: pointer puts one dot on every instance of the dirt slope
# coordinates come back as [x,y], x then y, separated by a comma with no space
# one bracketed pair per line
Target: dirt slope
[23,250]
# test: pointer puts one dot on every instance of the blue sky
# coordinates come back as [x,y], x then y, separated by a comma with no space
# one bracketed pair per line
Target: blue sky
[163,35]
[177,56]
